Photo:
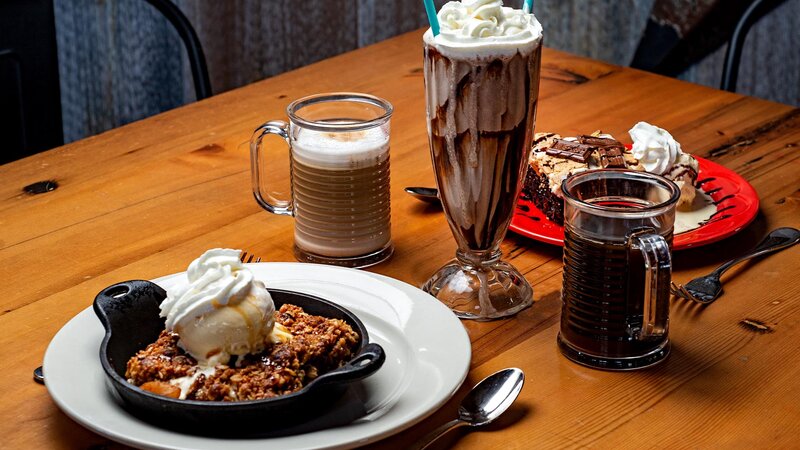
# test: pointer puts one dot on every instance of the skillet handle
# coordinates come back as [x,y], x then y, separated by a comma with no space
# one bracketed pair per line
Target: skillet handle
[121,303]
[367,362]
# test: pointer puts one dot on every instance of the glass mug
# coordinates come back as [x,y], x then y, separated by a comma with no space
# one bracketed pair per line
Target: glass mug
[339,167]
[617,268]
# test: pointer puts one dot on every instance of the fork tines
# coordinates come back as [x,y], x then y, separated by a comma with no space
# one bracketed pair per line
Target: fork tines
[248,258]
[679,291]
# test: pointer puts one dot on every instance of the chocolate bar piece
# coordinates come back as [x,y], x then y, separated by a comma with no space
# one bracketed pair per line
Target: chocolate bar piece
[572,150]
[599,141]
[611,157]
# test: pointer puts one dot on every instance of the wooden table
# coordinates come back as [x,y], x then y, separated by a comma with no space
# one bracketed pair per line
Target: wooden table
[144,200]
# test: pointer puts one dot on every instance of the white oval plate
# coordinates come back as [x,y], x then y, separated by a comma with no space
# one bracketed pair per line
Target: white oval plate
[427,358]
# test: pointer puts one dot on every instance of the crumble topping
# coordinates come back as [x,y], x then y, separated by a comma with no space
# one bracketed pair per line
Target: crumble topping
[317,345]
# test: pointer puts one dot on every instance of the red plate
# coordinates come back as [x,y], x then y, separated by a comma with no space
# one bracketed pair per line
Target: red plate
[737,205]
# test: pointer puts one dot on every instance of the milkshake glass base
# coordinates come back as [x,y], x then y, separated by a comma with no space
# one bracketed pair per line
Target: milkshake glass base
[490,290]
[355,262]
[649,359]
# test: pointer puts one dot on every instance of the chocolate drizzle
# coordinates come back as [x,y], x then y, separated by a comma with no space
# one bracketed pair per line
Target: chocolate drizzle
[727,197]
[480,143]
[703,181]
[542,138]
[679,171]
[716,219]
[721,210]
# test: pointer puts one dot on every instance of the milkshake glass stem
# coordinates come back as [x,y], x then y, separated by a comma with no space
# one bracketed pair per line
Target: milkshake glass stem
[478,285]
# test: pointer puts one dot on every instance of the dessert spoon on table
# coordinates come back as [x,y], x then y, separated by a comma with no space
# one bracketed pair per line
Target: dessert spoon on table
[426,194]
[708,288]
[482,405]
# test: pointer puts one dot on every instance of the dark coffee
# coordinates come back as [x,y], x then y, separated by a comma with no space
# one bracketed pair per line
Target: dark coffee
[603,297]
[618,227]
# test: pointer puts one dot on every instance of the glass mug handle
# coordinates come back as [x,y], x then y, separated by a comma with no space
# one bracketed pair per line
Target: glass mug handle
[657,275]
[267,200]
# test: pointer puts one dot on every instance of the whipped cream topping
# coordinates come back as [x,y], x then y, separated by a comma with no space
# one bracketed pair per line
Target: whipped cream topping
[654,147]
[221,310]
[484,28]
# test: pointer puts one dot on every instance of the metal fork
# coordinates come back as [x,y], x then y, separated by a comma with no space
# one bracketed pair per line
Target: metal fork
[708,288]
[249,258]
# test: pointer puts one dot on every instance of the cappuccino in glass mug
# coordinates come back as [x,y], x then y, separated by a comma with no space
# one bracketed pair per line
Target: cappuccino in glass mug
[339,155]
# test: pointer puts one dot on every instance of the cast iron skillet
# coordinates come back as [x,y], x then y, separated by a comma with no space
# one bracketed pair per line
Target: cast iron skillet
[129,312]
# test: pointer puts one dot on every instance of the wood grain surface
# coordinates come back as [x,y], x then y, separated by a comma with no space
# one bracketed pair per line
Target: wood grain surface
[145,199]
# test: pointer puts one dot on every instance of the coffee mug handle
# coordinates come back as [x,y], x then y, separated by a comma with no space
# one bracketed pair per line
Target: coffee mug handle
[657,275]
[267,200]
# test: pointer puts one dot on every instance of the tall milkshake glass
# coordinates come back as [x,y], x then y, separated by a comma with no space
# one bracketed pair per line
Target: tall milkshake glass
[481,86]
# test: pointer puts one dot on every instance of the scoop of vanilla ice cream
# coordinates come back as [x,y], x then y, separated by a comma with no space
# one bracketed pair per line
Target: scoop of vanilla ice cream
[221,310]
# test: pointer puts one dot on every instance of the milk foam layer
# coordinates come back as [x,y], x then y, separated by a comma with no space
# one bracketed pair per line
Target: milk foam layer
[221,310]
[341,150]
[481,28]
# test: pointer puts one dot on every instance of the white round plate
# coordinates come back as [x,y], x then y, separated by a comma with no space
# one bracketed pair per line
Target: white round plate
[427,358]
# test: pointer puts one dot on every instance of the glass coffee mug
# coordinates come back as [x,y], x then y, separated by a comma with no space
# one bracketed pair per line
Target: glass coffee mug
[617,268]
[339,163]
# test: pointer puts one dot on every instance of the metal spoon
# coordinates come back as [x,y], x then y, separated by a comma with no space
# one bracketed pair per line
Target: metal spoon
[38,375]
[426,194]
[483,404]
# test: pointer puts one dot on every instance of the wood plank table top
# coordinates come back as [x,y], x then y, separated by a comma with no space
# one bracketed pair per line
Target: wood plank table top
[145,199]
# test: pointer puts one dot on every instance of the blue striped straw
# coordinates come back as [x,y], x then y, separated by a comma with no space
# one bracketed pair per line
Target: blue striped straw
[431,10]
[527,7]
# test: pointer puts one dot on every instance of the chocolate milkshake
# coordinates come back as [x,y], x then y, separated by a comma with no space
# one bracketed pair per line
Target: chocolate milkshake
[481,84]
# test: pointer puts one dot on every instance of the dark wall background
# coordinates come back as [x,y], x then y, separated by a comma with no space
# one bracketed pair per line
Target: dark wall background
[120,61]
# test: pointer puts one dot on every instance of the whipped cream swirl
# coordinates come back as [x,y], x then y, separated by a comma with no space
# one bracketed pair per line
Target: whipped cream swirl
[221,311]
[654,147]
[468,25]
[215,279]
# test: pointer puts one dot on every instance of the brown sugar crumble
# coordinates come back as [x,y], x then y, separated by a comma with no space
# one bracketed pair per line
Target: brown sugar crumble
[318,345]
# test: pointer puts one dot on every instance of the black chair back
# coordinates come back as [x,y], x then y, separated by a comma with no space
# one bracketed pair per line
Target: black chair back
[30,98]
